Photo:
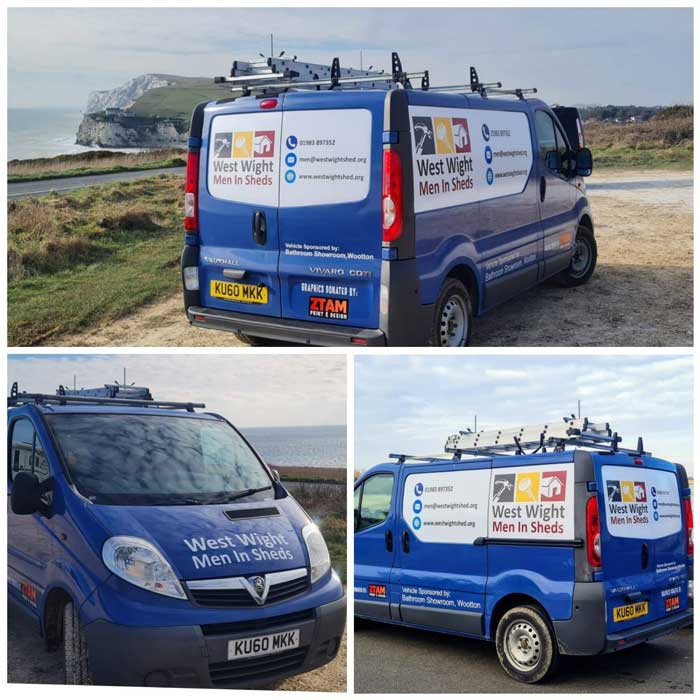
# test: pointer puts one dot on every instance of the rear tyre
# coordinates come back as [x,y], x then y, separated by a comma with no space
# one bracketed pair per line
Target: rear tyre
[525,644]
[452,320]
[583,261]
[75,650]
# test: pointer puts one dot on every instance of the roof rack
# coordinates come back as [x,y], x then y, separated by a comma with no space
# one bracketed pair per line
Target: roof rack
[274,75]
[277,74]
[110,391]
[18,398]
[570,432]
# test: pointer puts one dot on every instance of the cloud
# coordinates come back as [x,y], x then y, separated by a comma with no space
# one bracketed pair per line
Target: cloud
[638,395]
[250,390]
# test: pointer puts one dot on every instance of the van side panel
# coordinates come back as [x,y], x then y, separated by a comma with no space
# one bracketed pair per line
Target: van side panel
[543,573]
[500,238]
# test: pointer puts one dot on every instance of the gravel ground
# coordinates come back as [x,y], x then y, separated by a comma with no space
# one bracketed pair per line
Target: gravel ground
[640,295]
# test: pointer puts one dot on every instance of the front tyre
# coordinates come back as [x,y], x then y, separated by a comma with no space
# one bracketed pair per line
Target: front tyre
[452,320]
[75,650]
[525,644]
[583,261]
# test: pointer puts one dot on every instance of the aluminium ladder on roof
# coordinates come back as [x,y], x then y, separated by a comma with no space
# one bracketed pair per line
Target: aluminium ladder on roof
[279,74]
[569,432]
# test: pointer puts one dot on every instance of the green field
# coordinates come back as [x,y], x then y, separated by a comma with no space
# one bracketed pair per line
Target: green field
[94,255]
[664,141]
[178,101]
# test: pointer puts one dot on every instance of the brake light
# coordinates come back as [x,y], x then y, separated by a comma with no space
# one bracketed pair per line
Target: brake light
[392,196]
[593,532]
[191,187]
[688,508]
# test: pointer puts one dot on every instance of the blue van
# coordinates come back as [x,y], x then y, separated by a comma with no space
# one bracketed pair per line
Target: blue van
[157,548]
[374,216]
[562,551]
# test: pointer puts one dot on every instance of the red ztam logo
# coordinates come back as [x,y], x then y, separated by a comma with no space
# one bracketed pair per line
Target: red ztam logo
[328,307]
[29,592]
[376,590]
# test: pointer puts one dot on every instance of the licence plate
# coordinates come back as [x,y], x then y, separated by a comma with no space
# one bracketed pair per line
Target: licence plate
[629,612]
[233,291]
[265,644]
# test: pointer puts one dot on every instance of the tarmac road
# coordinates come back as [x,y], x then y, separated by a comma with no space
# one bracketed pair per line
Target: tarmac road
[391,659]
[36,188]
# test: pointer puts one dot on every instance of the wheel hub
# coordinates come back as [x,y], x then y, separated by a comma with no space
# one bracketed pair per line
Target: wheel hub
[453,323]
[522,645]
[581,258]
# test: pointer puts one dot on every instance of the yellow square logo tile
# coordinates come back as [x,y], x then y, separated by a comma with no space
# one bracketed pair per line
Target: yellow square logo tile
[243,144]
[444,138]
[527,487]
[627,488]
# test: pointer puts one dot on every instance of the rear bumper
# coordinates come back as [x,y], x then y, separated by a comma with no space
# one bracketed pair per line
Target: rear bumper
[288,330]
[196,656]
[651,630]
[585,632]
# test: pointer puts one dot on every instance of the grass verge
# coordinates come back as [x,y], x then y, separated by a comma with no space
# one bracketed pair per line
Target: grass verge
[91,256]
[92,163]
[319,475]
[326,504]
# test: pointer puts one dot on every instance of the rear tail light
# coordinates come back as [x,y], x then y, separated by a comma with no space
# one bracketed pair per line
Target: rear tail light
[593,532]
[191,188]
[392,196]
[688,508]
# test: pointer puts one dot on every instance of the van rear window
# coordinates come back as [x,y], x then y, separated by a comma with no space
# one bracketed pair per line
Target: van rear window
[147,460]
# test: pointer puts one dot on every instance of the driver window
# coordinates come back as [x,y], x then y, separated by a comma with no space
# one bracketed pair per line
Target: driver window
[374,500]
[544,127]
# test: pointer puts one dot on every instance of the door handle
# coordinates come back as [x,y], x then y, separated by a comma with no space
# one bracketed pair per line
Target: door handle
[389,540]
[543,188]
[645,555]
[405,542]
[259,228]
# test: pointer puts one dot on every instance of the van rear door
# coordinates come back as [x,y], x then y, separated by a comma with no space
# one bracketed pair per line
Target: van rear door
[238,199]
[330,227]
[643,540]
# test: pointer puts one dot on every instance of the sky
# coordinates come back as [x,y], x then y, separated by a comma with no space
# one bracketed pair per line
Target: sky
[410,404]
[248,390]
[575,56]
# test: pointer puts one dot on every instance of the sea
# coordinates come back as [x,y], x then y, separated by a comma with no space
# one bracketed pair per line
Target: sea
[323,446]
[44,133]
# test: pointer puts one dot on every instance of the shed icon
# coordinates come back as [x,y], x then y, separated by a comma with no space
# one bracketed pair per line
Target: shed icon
[553,486]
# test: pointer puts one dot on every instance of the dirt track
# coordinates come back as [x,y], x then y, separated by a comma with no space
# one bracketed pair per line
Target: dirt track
[641,293]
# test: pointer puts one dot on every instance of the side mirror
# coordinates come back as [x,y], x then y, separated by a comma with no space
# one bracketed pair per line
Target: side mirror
[26,494]
[584,162]
[553,161]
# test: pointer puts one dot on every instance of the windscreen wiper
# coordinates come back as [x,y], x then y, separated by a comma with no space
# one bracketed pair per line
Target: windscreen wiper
[243,494]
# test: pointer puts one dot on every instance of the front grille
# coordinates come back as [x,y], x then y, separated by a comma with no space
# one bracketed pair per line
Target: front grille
[257,624]
[239,597]
[228,673]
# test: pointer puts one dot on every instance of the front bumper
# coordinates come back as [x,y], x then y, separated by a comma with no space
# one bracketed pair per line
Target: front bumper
[195,656]
[288,330]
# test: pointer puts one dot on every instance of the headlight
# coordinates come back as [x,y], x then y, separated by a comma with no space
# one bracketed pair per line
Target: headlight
[319,558]
[139,562]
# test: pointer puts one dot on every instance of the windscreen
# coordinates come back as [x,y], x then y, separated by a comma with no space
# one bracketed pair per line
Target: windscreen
[148,460]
